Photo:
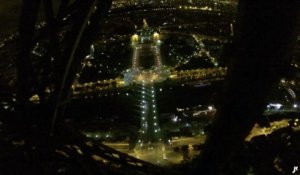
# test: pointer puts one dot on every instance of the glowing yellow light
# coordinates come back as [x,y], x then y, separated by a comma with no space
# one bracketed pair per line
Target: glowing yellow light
[135,38]
[156,36]
[34,98]
[121,82]
[173,76]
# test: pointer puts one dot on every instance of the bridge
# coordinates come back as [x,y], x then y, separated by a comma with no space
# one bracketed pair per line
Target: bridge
[201,74]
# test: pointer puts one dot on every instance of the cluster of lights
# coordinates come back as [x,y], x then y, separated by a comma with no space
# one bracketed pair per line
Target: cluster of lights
[204,51]
[197,111]
[180,59]
[157,56]
[100,68]
[135,56]
[149,121]
[97,86]
[199,73]
[206,8]
[277,106]
[98,135]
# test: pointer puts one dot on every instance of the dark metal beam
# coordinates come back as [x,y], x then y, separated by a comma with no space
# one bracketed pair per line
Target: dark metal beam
[264,34]
[88,21]
[28,18]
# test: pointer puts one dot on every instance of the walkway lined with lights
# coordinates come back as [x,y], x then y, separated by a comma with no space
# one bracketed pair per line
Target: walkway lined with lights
[149,131]
[149,146]
[136,56]
[203,51]
[157,54]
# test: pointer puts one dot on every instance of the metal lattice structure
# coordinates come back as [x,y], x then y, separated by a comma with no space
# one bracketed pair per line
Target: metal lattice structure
[65,37]
[49,55]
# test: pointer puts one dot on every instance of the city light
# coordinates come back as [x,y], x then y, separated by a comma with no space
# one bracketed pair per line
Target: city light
[151,83]
[276,105]
[175,119]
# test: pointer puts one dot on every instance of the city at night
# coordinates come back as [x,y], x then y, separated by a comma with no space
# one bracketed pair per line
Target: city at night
[149,87]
